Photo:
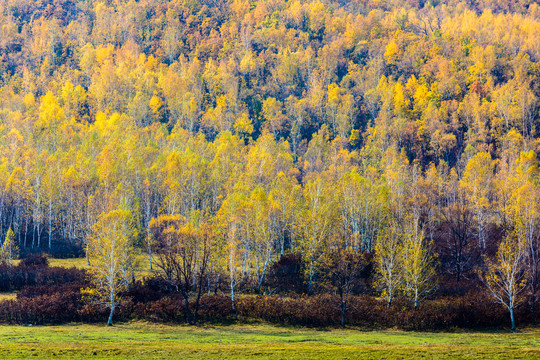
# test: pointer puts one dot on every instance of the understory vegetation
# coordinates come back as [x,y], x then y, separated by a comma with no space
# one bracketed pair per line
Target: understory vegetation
[52,295]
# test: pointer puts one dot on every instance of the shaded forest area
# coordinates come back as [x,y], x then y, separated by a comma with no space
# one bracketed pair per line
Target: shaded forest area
[332,155]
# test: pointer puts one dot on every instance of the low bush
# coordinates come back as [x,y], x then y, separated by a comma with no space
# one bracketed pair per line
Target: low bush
[49,295]
[471,311]
[34,270]
[55,308]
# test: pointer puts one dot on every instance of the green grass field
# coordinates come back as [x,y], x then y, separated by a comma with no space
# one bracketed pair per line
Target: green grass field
[142,270]
[8,296]
[141,261]
[149,341]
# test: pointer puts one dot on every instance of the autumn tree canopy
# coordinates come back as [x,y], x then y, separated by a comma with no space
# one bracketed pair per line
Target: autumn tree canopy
[312,127]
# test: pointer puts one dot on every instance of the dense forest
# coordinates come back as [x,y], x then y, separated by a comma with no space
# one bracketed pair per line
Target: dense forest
[385,149]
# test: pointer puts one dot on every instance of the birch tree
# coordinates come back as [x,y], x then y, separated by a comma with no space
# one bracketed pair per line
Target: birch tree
[477,182]
[505,274]
[315,224]
[418,264]
[110,252]
[388,261]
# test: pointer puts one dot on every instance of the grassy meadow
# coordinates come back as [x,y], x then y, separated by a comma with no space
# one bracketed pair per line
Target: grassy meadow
[8,296]
[141,261]
[138,340]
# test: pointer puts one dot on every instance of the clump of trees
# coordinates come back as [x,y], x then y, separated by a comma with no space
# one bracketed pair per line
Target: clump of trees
[9,250]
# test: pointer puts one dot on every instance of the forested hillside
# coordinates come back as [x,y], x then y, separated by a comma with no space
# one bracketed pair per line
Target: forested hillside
[375,147]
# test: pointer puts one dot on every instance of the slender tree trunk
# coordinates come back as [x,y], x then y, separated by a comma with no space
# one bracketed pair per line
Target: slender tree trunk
[533,304]
[534,287]
[343,312]
[310,283]
[50,224]
[197,304]
[150,254]
[217,285]
[186,310]
[26,230]
[232,298]
[512,320]
[282,245]
[109,322]
[263,275]
[199,291]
